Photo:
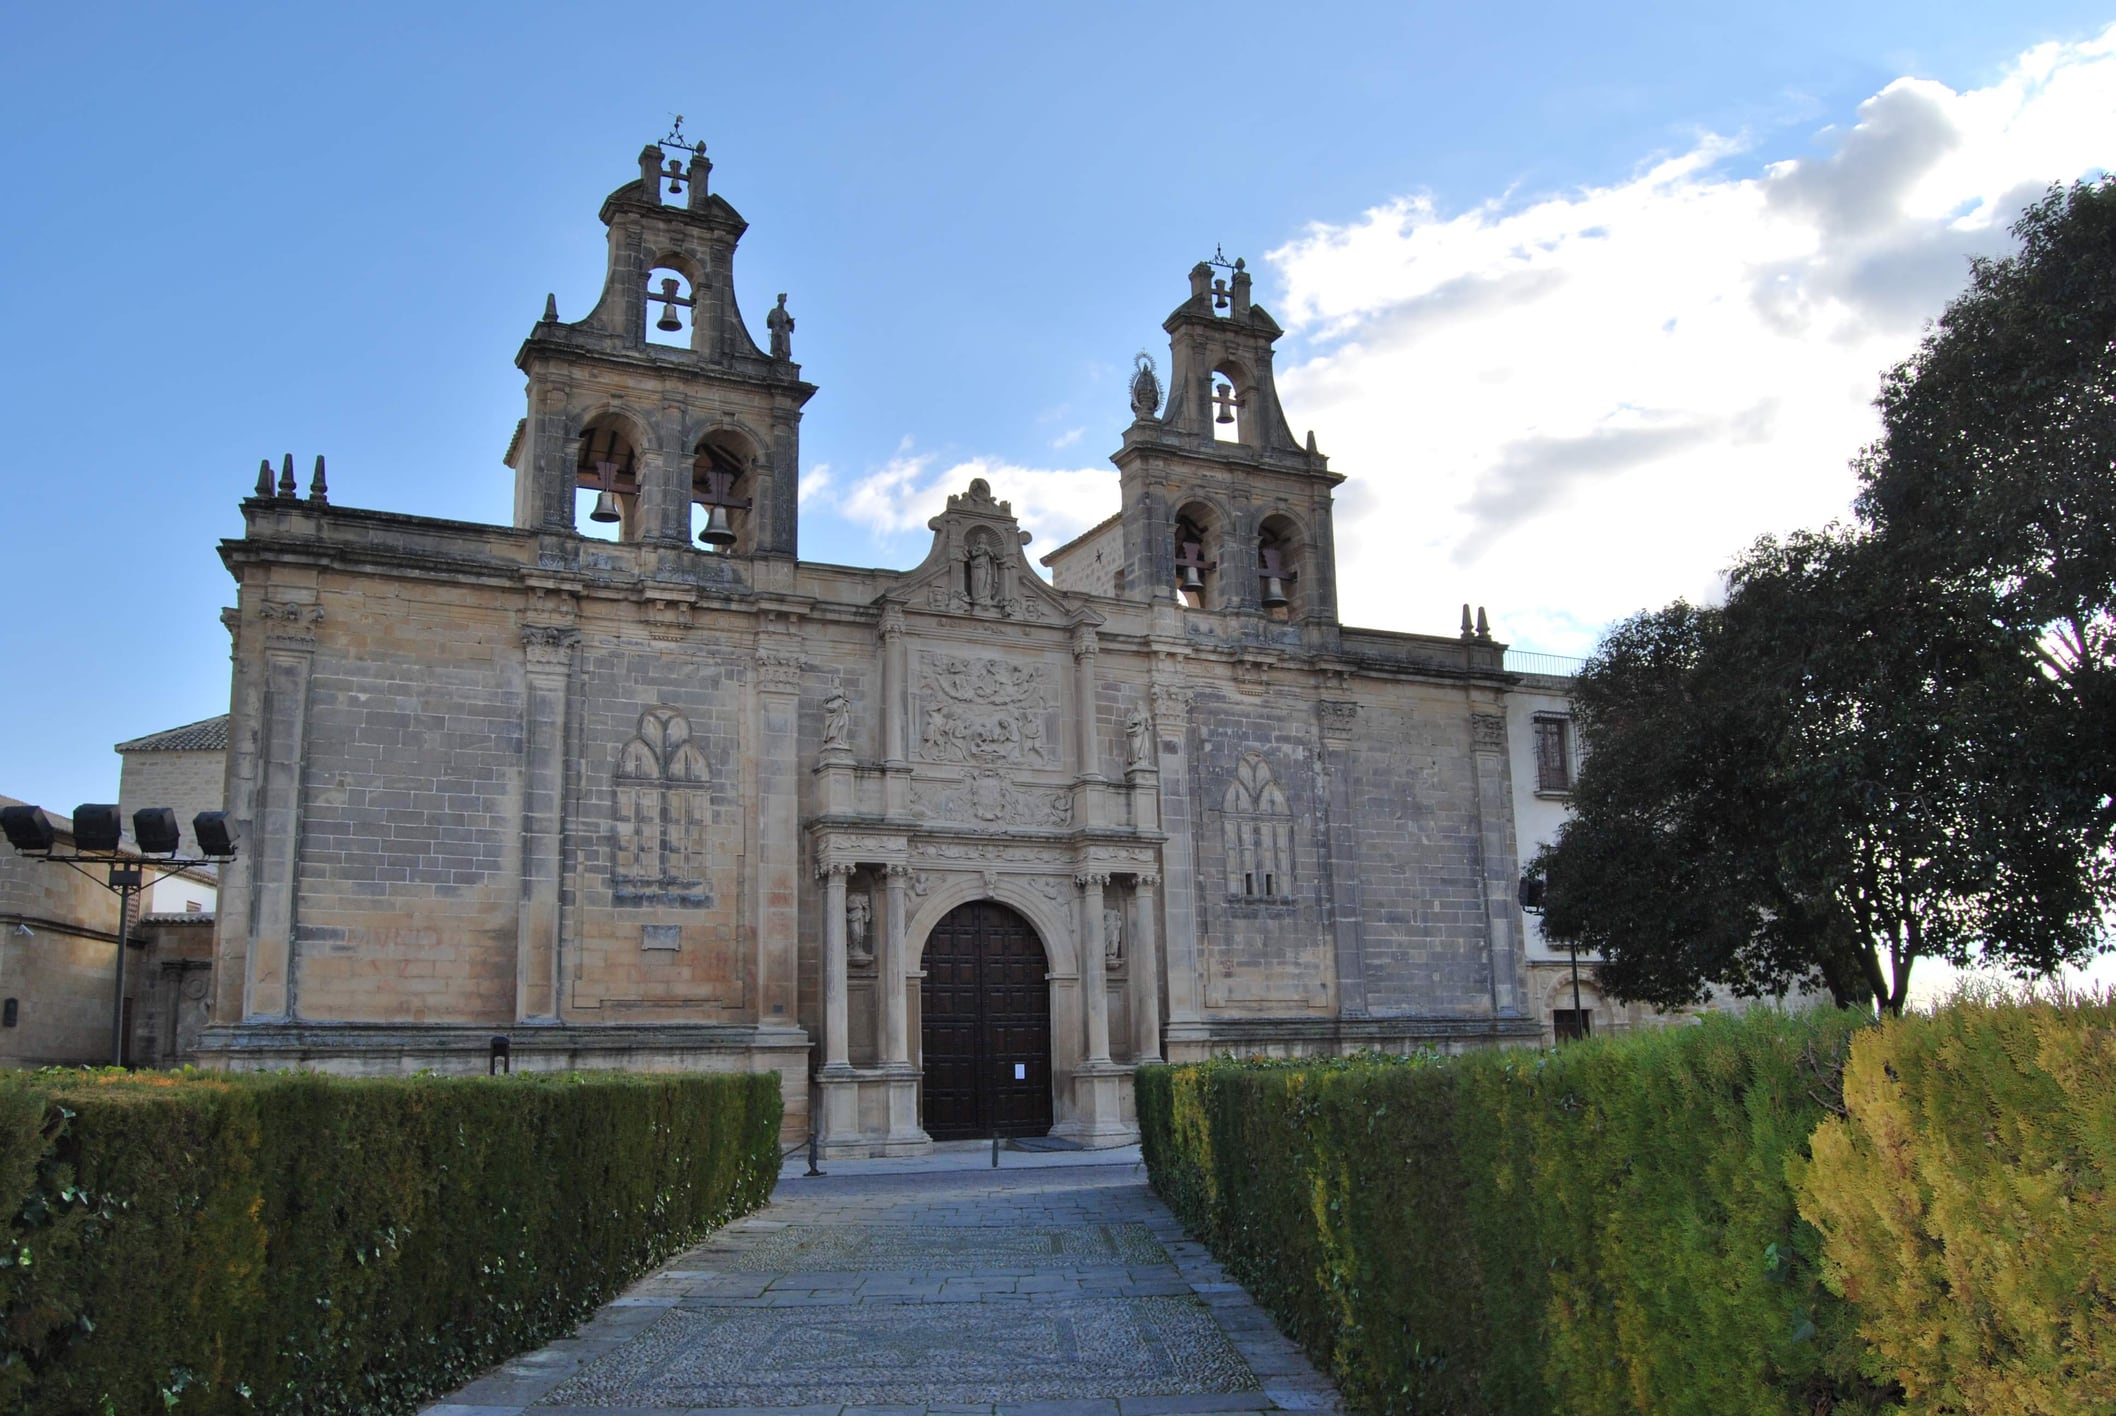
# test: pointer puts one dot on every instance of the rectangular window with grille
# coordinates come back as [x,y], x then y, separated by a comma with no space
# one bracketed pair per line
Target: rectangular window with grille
[1553,753]
[1571,1024]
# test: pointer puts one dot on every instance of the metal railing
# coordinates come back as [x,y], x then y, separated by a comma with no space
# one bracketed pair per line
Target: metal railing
[1520,661]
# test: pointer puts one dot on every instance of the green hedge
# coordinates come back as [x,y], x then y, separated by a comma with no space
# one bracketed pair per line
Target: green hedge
[1606,1228]
[298,1243]
[1969,1205]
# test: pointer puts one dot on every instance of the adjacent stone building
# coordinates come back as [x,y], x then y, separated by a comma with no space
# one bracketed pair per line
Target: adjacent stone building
[951,849]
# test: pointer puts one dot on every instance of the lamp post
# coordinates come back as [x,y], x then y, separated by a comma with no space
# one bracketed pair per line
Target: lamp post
[1533,889]
[97,854]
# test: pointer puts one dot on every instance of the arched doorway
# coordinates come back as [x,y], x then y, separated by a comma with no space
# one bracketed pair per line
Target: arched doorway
[985,1026]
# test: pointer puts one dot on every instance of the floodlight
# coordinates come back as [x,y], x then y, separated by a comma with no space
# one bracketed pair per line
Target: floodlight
[28,828]
[96,827]
[1532,892]
[154,827]
[215,833]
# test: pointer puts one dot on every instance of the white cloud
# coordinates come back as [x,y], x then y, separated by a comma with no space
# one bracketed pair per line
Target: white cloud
[1068,437]
[1572,407]
[813,483]
[911,488]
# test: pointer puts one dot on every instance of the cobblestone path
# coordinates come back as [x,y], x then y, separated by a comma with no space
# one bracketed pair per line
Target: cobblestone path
[1058,1291]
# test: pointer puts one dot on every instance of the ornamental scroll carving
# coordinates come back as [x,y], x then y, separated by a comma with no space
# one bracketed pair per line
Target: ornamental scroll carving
[991,800]
[985,711]
[1487,732]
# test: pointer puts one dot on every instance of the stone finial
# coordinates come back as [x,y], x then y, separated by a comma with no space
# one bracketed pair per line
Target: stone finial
[287,487]
[1468,630]
[1312,450]
[318,492]
[1483,626]
[264,477]
[551,309]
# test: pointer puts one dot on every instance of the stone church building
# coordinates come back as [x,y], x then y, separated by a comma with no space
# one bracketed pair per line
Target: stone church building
[951,849]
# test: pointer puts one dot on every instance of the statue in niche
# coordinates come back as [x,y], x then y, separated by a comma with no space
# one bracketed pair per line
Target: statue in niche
[859,915]
[837,721]
[780,323]
[984,575]
[1113,935]
[1138,737]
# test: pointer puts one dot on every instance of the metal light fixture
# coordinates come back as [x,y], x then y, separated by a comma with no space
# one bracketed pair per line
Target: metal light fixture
[97,827]
[28,829]
[154,828]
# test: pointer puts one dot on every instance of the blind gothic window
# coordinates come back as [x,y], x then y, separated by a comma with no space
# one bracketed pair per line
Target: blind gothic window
[1259,833]
[661,807]
[1553,753]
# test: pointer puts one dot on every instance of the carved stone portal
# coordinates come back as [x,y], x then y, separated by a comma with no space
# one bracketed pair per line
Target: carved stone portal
[989,799]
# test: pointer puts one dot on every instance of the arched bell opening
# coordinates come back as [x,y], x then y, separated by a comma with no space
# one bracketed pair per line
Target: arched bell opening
[1231,390]
[1196,559]
[723,491]
[606,481]
[671,308]
[1278,565]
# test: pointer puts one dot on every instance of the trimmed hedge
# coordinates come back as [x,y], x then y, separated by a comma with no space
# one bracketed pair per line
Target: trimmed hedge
[300,1243]
[1968,1204]
[1606,1228]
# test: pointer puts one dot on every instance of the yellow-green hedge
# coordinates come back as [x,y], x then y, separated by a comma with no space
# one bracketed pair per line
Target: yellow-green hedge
[1603,1229]
[1968,1207]
[297,1243]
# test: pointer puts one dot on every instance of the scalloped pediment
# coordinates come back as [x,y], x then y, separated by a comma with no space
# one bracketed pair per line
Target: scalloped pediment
[976,567]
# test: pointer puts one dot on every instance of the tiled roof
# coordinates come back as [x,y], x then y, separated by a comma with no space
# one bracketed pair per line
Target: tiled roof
[206,735]
[1095,530]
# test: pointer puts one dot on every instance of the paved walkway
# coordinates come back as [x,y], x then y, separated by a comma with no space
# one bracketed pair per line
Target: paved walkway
[1056,1285]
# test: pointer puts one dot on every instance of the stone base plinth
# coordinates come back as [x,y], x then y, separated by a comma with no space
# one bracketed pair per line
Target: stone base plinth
[868,1111]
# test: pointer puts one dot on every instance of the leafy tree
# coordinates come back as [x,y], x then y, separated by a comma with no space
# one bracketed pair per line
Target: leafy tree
[1897,740]
[1996,470]
[1807,786]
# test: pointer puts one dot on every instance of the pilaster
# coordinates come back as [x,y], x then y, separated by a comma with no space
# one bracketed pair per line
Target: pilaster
[548,668]
[1145,973]
[1495,861]
[270,992]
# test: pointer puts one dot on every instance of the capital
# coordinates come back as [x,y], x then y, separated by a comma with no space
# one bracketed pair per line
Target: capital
[1091,879]
[1085,641]
[892,620]
[835,867]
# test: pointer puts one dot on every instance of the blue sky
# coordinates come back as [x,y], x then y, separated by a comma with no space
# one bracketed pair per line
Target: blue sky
[236,231]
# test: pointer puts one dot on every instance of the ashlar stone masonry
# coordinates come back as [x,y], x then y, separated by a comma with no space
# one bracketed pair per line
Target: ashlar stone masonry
[950,849]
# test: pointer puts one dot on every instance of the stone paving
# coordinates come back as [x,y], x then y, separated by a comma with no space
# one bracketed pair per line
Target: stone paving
[1053,1286]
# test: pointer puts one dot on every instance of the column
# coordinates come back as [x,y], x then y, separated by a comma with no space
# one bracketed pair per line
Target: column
[1145,973]
[1179,854]
[890,970]
[1087,761]
[836,1031]
[1093,990]
[549,655]
[893,689]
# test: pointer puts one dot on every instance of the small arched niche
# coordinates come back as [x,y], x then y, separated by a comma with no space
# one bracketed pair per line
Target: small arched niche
[671,308]
[1196,559]
[723,493]
[1278,566]
[1229,403]
[606,480]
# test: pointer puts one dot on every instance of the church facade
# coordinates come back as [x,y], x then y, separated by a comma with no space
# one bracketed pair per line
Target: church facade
[951,849]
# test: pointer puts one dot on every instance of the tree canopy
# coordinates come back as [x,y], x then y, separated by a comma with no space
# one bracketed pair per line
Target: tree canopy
[1894,740]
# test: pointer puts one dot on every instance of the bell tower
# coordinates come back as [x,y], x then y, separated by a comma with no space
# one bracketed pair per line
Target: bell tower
[1223,511]
[657,413]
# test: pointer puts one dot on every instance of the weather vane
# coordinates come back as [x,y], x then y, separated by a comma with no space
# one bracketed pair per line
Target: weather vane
[676,140]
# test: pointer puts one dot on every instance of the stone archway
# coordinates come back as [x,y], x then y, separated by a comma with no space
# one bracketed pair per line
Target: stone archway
[985,1025]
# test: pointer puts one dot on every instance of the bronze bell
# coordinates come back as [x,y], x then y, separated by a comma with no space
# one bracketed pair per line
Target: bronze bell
[1224,396]
[1192,580]
[1274,593]
[718,531]
[668,323]
[605,507]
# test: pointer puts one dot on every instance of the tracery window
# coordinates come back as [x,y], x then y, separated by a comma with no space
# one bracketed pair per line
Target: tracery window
[1258,830]
[661,811]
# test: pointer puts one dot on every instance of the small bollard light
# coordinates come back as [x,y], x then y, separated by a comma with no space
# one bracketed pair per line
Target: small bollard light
[502,1059]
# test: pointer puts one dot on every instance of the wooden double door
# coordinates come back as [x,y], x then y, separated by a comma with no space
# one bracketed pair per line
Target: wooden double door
[985,1026]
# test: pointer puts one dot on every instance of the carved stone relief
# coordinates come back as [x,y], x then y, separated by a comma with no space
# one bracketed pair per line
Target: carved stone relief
[661,814]
[985,711]
[988,798]
[1488,732]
